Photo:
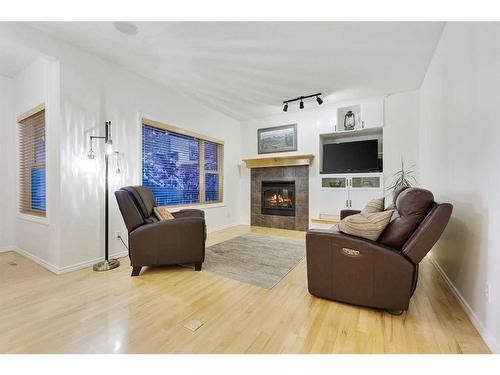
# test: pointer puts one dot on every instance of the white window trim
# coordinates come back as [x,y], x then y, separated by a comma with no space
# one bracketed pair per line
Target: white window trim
[20,215]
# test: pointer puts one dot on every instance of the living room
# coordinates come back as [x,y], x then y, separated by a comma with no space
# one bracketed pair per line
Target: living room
[241,187]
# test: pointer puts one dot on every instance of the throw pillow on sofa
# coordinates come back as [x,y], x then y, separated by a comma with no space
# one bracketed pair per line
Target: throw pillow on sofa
[162,213]
[374,205]
[369,226]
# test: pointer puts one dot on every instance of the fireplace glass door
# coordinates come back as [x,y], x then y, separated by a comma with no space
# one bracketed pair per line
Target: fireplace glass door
[278,198]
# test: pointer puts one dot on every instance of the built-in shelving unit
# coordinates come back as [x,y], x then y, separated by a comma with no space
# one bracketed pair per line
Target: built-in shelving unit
[350,136]
[337,191]
[348,191]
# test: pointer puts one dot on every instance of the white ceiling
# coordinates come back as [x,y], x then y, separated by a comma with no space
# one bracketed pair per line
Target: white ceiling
[14,57]
[246,69]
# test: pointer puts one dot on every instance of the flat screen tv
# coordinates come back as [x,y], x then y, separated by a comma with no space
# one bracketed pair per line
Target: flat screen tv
[351,157]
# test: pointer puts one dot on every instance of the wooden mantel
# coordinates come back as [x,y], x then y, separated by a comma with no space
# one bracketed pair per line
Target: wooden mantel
[279,161]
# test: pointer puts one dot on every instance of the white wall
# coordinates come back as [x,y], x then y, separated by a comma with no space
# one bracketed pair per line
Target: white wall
[7,173]
[94,91]
[85,91]
[401,133]
[310,123]
[36,84]
[401,121]
[460,163]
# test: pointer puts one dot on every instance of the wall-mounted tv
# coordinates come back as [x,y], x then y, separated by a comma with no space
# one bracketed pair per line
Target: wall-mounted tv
[351,157]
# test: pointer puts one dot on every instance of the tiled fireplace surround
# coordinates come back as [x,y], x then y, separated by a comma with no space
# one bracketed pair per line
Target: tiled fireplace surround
[299,174]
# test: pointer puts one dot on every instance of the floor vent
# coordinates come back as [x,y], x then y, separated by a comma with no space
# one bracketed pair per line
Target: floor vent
[193,325]
[13,264]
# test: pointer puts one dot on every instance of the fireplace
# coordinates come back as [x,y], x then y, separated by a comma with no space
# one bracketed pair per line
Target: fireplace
[278,198]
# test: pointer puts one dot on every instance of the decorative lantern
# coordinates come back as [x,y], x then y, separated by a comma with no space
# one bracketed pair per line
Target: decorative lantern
[349,121]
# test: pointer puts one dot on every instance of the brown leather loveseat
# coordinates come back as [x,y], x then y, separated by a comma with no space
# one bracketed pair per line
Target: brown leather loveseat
[383,273]
[155,243]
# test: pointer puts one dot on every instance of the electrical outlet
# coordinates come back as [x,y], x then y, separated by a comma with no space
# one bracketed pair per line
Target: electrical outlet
[487,293]
[118,235]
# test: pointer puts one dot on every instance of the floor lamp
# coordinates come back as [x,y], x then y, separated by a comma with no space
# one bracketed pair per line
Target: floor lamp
[106,264]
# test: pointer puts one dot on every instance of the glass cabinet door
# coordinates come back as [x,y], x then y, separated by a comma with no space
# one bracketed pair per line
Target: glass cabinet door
[334,182]
[365,182]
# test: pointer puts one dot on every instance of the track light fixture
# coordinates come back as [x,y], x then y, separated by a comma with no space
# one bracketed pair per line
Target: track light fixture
[301,98]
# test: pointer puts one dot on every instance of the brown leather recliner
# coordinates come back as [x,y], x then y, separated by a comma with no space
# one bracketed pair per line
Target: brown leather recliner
[153,242]
[383,273]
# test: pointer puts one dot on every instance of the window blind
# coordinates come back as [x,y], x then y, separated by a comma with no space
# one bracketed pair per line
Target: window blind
[211,172]
[180,169]
[32,171]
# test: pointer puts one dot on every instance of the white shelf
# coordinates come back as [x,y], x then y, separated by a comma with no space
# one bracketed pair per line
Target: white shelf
[347,134]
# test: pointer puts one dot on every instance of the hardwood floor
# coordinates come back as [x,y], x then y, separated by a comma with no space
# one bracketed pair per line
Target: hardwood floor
[111,312]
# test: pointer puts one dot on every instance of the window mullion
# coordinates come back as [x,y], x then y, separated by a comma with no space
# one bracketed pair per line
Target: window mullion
[220,167]
[202,170]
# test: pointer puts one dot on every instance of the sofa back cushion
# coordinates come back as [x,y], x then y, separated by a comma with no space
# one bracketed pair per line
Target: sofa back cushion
[412,205]
[428,232]
[130,212]
[395,195]
[145,201]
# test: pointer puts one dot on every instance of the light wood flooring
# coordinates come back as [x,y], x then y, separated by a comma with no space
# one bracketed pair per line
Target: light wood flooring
[111,312]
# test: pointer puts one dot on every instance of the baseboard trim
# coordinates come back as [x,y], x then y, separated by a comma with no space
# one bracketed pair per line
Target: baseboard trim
[89,263]
[488,338]
[78,266]
[62,270]
[47,265]
[222,227]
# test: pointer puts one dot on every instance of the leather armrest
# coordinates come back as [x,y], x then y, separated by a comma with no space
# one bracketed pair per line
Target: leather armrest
[339,238]
[345,213]
[168,241]
[188,213]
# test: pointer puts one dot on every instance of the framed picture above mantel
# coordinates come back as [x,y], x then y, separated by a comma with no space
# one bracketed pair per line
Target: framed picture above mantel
[277,139]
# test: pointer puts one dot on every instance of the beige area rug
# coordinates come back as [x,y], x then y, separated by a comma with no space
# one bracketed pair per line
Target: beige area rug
[257,259]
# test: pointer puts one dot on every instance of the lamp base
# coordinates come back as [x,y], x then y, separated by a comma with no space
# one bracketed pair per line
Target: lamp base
[106,265]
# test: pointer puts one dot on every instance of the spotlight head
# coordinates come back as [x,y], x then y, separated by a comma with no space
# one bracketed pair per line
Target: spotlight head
[301,106]
[285,108]
[91,154]
[319,100]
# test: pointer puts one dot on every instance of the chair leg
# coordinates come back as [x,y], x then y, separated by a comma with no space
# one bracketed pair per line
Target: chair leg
[136,271]
[197,266]
[395,312]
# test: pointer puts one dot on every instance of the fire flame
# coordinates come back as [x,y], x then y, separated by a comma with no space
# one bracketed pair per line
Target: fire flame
[277,199]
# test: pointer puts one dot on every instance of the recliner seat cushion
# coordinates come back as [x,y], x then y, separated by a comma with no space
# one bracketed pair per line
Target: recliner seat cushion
[413,205]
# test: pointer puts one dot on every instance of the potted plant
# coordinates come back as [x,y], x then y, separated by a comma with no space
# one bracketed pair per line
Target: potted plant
[403,178]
